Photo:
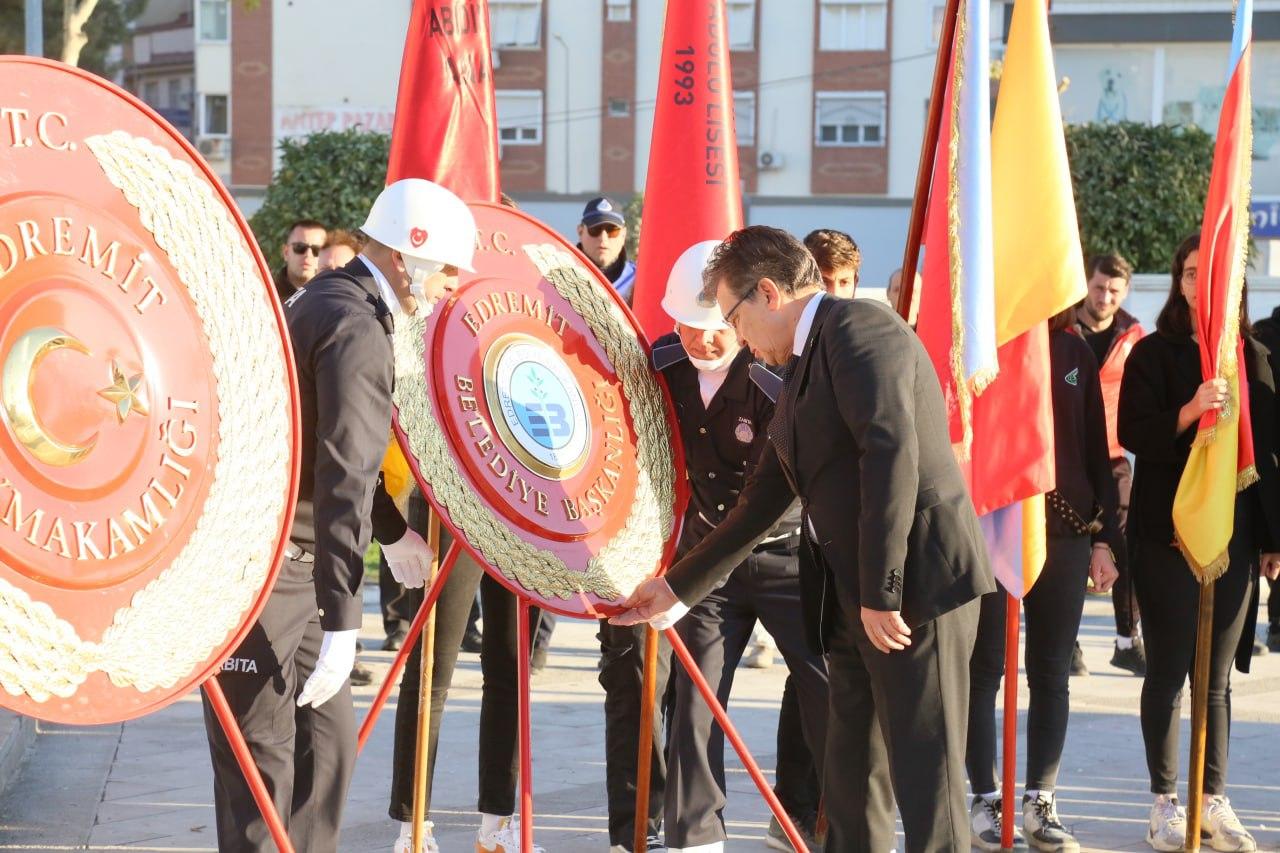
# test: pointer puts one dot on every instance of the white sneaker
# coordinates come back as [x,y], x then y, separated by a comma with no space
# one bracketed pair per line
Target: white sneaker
[985,821]
[1222,829]
[1043,827]
[404,844]
[1167,826]
[505,839]
[759,656]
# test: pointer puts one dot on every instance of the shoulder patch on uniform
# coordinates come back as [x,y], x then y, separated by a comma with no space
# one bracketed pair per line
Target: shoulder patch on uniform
[1073,378]
[667,355]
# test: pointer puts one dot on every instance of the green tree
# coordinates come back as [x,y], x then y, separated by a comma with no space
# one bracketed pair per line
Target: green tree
[331,176]
[1139,188]
[79,32]
[634,211]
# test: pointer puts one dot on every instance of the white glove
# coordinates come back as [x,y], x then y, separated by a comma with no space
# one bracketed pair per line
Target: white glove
[667,620]
[333,668]
[409,559]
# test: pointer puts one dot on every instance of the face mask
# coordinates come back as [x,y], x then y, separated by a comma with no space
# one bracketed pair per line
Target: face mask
[419,271]
[718,364]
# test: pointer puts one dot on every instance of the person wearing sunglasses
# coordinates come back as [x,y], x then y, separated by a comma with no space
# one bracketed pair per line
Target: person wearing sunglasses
[301,252]
[602,237]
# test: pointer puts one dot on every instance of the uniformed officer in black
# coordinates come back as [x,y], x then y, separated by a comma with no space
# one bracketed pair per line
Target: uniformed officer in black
[287,682]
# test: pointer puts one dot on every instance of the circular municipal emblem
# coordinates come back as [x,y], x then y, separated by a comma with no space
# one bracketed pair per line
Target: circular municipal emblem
[542,415]
[744,431]
[537,425]
[146,406]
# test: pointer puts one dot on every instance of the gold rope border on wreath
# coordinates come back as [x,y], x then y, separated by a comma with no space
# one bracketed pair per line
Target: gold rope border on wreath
[179,618]
[636,550]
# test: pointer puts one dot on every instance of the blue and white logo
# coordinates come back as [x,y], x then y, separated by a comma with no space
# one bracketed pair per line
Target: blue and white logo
[539,409]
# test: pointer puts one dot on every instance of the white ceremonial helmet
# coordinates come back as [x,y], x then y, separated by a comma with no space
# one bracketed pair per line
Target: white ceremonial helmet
[426,223]
[683,300]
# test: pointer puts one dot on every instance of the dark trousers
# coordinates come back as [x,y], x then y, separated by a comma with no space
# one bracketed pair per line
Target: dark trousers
[765,588]
[919,698]
[398,604]
[1169,596]
[797,774]
[499,759]
[306,755]
[622,677]
[1123,599]
[1053,608]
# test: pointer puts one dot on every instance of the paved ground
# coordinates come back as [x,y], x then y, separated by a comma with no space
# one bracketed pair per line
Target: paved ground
[146,785]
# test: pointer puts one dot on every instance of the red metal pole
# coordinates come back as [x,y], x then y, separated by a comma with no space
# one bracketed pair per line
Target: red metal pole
[397,666]
[261,796]
[526,758]
[1009,751]
[753,770]
[924,172]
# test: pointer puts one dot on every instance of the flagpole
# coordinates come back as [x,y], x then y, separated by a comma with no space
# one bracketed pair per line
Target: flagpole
[522,712]
[933,124]
[422,747]
[1199,714]
[1009,750]
[644,764]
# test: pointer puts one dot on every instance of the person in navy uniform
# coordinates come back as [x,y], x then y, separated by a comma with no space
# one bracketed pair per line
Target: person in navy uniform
[288,684]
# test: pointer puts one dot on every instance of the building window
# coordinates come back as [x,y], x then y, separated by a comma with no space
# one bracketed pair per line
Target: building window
[742,24]
[214,120]
[516,23]
[619,107]
[744,117]
[850,119]
[151,93]
[853,24]
[617,10]
[519,117]
[214,20]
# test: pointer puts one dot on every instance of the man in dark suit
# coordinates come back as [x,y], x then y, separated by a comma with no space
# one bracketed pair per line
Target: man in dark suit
[892,560]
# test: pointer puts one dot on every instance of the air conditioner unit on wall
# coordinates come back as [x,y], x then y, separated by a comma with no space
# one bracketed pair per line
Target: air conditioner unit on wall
[768,161]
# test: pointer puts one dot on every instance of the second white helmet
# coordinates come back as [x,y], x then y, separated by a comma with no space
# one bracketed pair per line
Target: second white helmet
[683,300]
[423,221]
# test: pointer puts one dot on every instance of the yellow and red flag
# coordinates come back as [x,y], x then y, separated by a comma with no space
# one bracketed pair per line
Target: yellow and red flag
[1221,461]
[1005,442]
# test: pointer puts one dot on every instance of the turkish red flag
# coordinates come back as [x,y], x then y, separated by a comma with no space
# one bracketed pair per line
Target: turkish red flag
[692,192]
[446,121]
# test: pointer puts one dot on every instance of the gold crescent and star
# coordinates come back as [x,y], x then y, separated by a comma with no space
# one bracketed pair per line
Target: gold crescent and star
[17,381]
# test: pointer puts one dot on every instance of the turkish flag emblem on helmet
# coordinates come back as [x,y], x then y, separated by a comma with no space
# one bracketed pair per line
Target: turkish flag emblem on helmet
[417,237]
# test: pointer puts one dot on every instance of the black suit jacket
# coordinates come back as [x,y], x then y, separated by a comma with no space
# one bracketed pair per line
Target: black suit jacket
[339,327]
[874,469]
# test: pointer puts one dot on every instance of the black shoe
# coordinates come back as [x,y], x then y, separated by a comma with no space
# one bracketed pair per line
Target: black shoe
[538,661]
[1077,661]
[394,640]
[361,675]
[777,839]
[471,641]
[1133,659]
[1273,638]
